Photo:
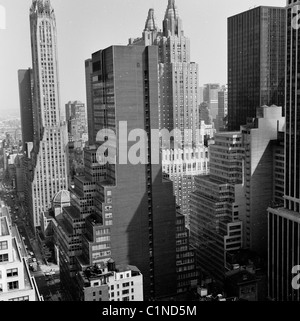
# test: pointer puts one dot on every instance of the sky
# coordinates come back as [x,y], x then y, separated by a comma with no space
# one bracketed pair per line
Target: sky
[86,26]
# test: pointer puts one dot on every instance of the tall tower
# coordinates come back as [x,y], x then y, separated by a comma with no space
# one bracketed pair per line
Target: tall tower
[47,168]
[178,101]
[178,78]
[256,40]
[284,223]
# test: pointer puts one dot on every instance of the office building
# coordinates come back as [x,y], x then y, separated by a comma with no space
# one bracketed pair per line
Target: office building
[211,97]
[181,166]
[256,67]
[283,222]
[215,227]
[114,214]
[77,123]
[259,136]
[222,118]
[46,165]
[179,99]
[25,78]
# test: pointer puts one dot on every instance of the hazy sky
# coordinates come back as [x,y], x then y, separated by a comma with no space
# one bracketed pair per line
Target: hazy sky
[85,26]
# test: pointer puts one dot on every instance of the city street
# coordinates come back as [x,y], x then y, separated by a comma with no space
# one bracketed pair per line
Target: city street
[47,275]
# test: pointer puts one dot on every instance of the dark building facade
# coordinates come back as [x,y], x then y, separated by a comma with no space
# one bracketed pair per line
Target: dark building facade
[256,68]
[284,222]
[131,215]
[26,112]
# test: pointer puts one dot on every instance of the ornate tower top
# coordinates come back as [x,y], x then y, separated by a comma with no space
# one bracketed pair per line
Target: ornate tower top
[172,11]
[151,22]
[41,7]
[172,24]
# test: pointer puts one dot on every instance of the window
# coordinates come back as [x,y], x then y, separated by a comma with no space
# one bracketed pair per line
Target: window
[94,293]
[125,285]
[3,257]
[125,292]
[13,285]
[1,289]
[100,292]
[126,298]
[11,272]
[22,298]
[3,245]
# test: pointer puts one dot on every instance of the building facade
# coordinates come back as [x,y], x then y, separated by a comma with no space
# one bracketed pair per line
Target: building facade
[77,122]
[25,78]
[179,100]
[46,166]
[181,166]
[16,282]
[256,67]
[112,211]
[283,236]
[259,136]
[215,207]
[110,282]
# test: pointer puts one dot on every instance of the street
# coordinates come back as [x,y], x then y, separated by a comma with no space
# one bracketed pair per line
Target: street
[46,275]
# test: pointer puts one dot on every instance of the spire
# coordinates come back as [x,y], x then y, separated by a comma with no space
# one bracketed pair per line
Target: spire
[41,7]
[150,22]
[172,11]
[172,24]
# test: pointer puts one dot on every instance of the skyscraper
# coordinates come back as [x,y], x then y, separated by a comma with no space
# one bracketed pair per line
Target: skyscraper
[46,172]
[256,41]
[284,223]
[77,123]
[122,211]
[210,96]
[216,229]
[178,99]
[26,91]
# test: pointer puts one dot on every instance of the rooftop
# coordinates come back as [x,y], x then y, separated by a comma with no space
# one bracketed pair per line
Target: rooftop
[242,277]
[62,197]
[73,212]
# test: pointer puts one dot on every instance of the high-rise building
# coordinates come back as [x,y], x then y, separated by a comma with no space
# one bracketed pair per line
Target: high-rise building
[179,98]
[211,97]
[222,110]
[284,222]
[191,162]
[77,125]
[26,112]
[178,76]
[46,172]
[16,282]
[256,68]
[259,136]
[214,219]
[125,211]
